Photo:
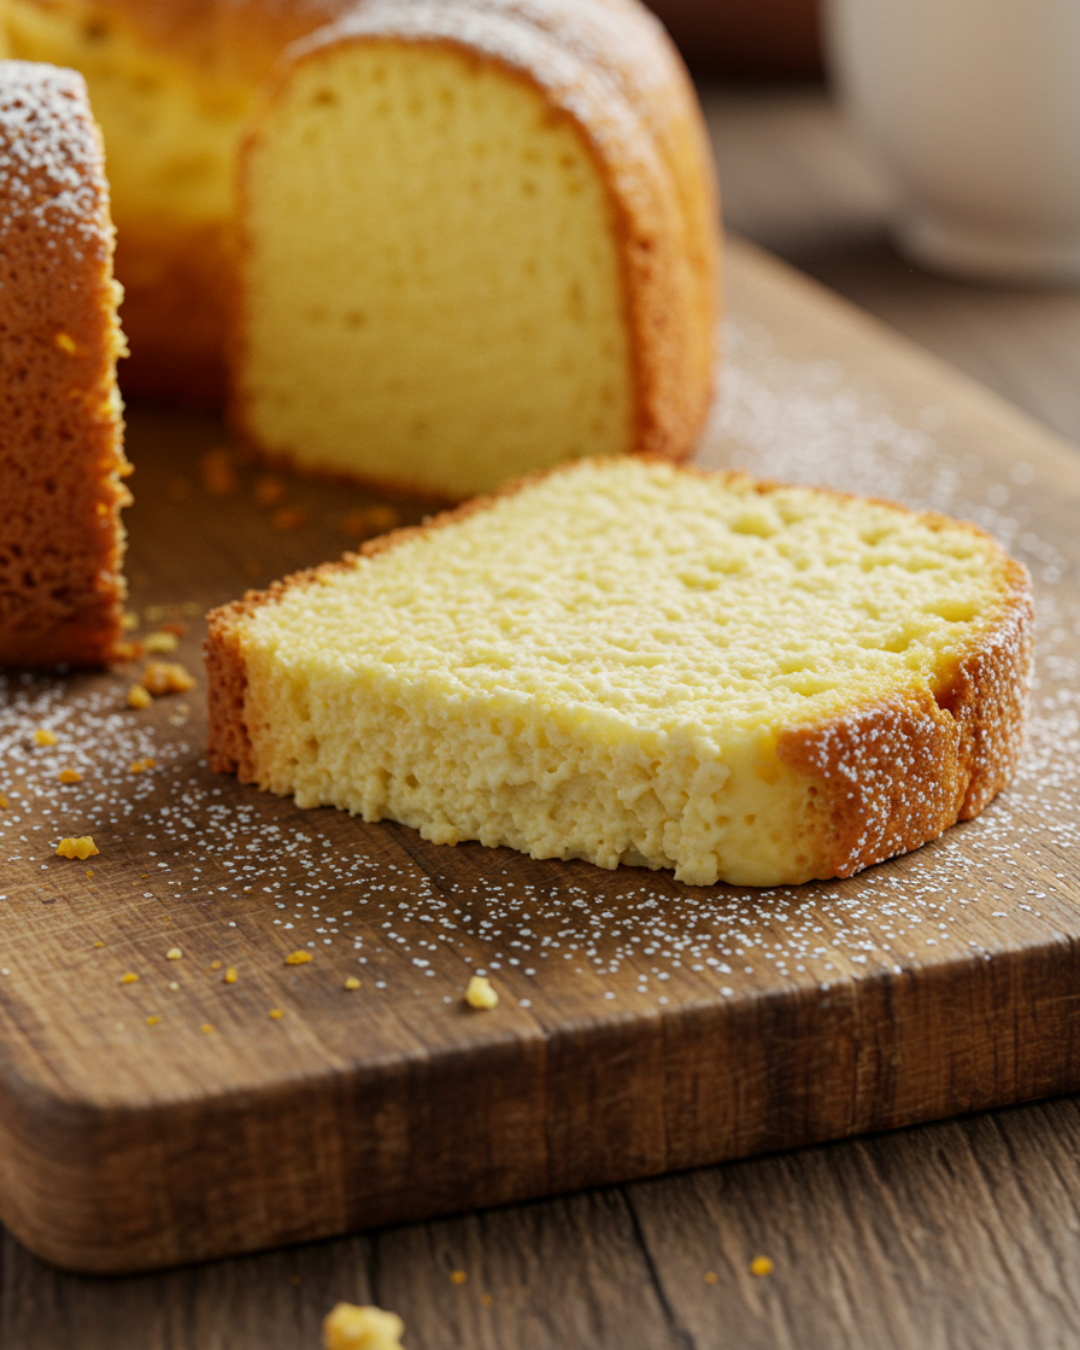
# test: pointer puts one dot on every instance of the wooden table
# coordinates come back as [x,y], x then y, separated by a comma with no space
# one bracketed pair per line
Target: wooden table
[959,1234]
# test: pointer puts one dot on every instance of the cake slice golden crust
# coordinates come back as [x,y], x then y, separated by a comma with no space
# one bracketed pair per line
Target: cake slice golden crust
[61,456]
[478,237]
[632,663]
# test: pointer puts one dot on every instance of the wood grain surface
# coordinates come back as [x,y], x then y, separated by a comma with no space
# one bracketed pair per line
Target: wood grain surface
[644,1026]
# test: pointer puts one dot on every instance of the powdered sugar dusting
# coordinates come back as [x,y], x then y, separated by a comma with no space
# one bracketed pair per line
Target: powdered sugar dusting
[226,865]
[51,171]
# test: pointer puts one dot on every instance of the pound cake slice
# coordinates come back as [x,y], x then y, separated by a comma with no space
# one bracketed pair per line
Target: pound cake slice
[633,663]
[477,238]
[61,432]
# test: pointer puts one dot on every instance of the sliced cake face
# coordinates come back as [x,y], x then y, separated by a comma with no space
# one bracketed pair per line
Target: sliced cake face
[431,276]
[61,456]
[631,663]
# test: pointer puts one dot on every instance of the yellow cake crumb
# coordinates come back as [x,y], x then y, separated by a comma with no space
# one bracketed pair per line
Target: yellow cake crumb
[89,873]
[138,697]
[458,1277]
[153,1020]
[173,954]
[70,776]
[129,978]
[4,803]
[207,1029]
[298,958]
[166,677]
[480,994]
[761,1265]
[230,975]
[141,765]
[157,644]
[127,651]
[99,943]
[710,1277]
[44,737]
[277,1014]
[215,965]
[66,343]
[350,1327]
[352,982]
[82,848]
[129,622]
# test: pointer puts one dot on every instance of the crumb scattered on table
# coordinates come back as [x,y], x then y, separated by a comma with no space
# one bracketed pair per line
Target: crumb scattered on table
[761,1265]
[298,958]
[166,677]
[82,848]
[138,697]
[480,994]
[349,1327]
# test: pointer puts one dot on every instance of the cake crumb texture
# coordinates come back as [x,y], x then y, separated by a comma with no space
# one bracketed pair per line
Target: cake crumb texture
[61,456]
[500,219]
[349,1327]
[631,663]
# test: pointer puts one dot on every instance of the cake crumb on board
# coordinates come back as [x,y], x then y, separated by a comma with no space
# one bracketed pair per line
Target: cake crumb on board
[82,847]
[351,1327]
[480,993]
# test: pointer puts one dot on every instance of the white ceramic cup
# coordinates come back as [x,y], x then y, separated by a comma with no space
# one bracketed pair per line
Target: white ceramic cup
[974,108]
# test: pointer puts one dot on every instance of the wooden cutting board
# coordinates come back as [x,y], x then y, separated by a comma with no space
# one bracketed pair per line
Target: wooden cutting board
[643,1026]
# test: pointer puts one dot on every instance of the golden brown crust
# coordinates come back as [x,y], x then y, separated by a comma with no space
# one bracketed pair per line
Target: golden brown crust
[608,68]
[61,456]
[893,776]
[887,777]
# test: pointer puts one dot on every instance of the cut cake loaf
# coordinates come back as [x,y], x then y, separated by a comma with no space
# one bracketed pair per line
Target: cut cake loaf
[632,663]
[61,433]
[172,83]
[477,238]
[478,235]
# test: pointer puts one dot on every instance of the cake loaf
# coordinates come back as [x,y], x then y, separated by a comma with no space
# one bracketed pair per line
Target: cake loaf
[629,662]
[477,238]
[171,83]
[61,455]
[504,255]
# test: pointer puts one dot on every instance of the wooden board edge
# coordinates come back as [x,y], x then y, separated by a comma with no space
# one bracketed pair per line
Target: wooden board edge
[561,1114]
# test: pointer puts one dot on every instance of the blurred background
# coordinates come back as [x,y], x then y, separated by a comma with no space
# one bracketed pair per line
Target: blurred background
[797,178]
[746,38]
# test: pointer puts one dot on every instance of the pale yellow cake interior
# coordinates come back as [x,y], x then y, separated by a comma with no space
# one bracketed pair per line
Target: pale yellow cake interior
[600,665]
[432,284]
[171,133]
